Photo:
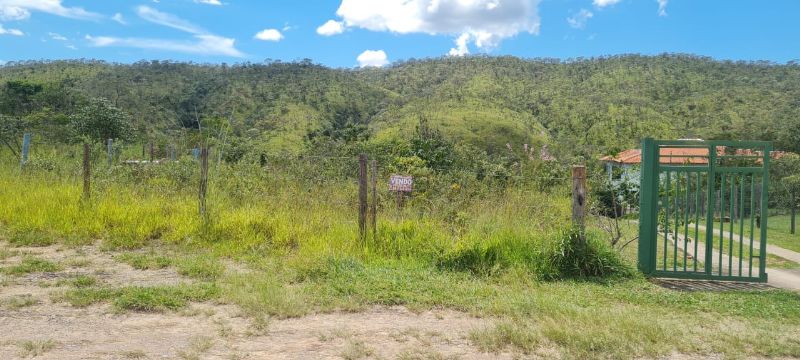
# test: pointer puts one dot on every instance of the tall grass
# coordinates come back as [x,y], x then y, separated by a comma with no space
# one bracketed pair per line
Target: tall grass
[303,211]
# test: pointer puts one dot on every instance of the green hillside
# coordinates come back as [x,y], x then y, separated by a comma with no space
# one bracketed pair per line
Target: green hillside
[581,107]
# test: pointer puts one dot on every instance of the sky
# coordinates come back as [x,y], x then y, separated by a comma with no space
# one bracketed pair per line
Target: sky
[359,33]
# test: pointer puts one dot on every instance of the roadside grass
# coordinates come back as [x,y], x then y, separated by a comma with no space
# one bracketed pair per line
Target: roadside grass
[140,299]
[31,264]
[145,260]
[7,253]
[18,302]
[203,267]
[503,255]
[34,348]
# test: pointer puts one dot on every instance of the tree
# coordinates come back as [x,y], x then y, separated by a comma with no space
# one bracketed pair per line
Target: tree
[428,144]
[100,120]
[785,172]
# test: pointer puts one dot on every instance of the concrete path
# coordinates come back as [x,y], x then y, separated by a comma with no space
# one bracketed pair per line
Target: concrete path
[771,249]
[780,278]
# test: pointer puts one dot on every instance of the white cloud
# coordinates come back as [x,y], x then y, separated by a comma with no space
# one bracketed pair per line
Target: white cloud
[72,47]
[57,36]
[579,19]
[169,20]
[604,3]
[662,7]
[2,62]
[208,2]
[53,7]
[373,58]
[13,13]
[15,32]
[118,18]
[332,27]
[462,47]
[203,44]
[482,22]
[269,35]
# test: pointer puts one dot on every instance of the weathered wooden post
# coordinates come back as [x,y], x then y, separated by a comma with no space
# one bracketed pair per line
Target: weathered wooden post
[26,148]
[86,173]
[110,146]
[362,197]
[374,204]
[152,152]
[203,180]
[579,198]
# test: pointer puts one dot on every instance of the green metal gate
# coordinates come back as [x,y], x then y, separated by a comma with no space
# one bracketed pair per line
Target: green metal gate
[703,209]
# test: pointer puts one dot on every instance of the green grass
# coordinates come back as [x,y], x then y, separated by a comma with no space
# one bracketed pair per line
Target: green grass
[498,254]
[31,264]
[141,299]
[778,227]
[200,267]
[145,261]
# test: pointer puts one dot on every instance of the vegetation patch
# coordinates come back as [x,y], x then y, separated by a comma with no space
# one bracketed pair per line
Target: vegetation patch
[18,302]
[201,267]
[31,264]
[142,299]
[145,261]
[34,348]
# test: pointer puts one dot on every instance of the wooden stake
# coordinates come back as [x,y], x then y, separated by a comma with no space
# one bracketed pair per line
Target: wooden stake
[203,180]
[26,148]
[362,197]
[152,152]
[579,198]
[110,152]
[374,204]
[86,173]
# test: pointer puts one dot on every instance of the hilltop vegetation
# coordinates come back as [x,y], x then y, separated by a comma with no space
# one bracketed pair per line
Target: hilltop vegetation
[581,108]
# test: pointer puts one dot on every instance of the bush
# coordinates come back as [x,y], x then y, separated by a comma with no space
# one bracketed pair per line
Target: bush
[590,258]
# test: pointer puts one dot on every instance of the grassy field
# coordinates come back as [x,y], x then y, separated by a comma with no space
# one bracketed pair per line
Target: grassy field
[507,255]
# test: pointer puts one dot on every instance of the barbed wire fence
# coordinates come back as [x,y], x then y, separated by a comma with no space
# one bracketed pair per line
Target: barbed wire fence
[202,168]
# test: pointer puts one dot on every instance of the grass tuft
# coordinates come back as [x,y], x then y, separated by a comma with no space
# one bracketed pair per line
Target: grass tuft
[31,264]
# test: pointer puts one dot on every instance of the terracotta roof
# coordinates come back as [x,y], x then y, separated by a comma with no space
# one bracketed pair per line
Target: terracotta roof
[681,156]
[670,156]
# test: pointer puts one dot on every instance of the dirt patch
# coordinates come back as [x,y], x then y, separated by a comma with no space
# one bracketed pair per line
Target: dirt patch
[38,327]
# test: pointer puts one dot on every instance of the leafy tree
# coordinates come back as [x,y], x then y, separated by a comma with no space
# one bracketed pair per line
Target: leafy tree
[100,120]
[429,145]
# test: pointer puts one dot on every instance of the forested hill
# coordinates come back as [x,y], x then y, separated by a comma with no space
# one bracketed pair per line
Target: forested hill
[584,107]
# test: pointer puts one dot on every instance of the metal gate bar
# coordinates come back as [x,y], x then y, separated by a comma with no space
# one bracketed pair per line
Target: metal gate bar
[709,178]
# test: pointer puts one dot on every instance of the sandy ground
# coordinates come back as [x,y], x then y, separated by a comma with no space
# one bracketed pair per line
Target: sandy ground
[48,330]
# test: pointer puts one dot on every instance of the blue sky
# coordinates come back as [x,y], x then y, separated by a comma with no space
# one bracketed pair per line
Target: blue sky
[376,32]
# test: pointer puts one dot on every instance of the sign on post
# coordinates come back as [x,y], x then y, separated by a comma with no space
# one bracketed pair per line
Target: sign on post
[401,183]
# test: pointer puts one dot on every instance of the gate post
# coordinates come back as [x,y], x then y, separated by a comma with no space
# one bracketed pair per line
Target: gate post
[648,201]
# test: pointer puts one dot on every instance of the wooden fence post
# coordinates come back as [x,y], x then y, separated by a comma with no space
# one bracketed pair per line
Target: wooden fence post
[86,173]
[362,197]
[152,152]
[579,198]
[203,180]
[110,146]
[374,204]
[26,148]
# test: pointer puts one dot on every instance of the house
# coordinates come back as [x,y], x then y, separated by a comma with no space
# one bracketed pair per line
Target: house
[624,166]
